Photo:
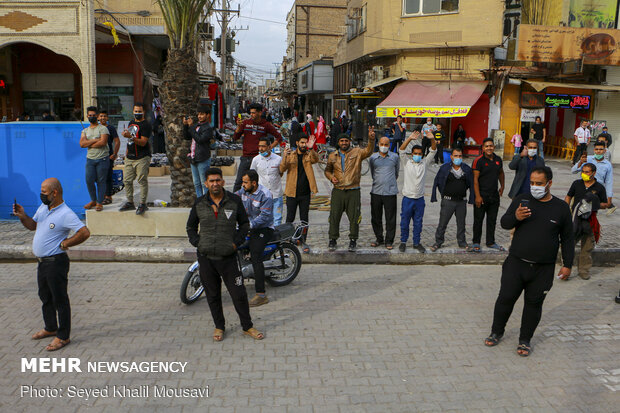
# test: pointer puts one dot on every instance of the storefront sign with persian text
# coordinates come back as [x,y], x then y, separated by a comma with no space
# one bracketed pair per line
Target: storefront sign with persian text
[423,112]
[560,44]
[553,100]
[530,115]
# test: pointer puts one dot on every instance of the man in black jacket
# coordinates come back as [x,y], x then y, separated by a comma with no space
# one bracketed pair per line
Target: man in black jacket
[542,222]
[223,226]
[523,164]
[202,138]
[453,180]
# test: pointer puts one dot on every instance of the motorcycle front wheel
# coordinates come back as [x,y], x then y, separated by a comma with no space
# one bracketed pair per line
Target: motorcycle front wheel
[280,275]
[191,287]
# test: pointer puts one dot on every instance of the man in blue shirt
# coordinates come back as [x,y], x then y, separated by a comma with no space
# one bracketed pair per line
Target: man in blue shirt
[604,171]
[384,168]
[53,222]
[258,204]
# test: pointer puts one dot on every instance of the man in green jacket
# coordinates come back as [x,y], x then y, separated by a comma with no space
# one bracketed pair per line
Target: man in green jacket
[223,226]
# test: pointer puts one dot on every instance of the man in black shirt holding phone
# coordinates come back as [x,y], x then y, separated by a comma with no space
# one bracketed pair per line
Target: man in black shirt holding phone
[542,222]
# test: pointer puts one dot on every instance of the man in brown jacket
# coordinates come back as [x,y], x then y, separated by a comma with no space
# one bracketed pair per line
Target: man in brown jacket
[344,169]
[300,181]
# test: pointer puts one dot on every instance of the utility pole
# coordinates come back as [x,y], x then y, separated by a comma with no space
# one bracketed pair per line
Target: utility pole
[224,39]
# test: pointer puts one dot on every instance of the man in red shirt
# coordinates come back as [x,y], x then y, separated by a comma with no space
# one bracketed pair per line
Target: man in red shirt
[252,130]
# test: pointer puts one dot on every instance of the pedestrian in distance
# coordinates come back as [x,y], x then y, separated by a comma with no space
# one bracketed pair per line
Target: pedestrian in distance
[458,138]
[453,180]
[412,205]
[426,141]
[542,223]
[604,171]
[399,132]
[267,164]
[300,182]
[605,137]
[137,159]
[217,226]
[344,171]
[384,169]
[440,137]
[95,139]
[203,140]
[114,145]
[52,223]
[540,135]
[517,142]
[488,172]
[523,163]
[252,130]
[588,196]
[582,139]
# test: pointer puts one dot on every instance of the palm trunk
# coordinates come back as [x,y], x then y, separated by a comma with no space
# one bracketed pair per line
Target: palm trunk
[179,97]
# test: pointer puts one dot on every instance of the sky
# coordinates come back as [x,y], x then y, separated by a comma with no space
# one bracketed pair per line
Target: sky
[264,43]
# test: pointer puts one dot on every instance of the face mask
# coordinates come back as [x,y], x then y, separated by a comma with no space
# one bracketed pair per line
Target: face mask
[585,177]
[384,149]
[538,192]
[429,122]
[45,199]
[417,158]
[92,119]
[457,161]
[532,152]
[265,154]
[138,115]
[598,156]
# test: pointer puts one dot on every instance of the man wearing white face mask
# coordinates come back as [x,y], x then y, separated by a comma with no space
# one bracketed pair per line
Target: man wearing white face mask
[384,168]
[523,164]
[267,164]
[542,222]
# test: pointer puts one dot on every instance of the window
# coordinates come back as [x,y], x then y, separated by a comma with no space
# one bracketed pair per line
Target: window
[425,7]
[356,22]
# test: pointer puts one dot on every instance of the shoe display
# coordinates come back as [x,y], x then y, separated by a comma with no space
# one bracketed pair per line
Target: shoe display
[142,208]
[127,206]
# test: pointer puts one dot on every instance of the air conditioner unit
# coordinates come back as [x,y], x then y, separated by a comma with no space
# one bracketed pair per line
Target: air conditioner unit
[206,31]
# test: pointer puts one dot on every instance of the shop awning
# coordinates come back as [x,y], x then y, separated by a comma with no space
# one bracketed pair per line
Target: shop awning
[383,82]
[421,99]
[542,85]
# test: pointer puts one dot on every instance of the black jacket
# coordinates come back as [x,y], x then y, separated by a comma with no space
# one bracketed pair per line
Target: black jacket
[519,164]
[221,232]
[204,137]
[442,177]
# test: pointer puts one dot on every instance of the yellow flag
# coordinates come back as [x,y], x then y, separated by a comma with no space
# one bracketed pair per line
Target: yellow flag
[113,31]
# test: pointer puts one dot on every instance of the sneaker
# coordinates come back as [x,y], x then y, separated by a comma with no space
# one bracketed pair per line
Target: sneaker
[584,276]
[618,298]
[332,245]
[611,209]
[90,205]
[402,247]
[419,248]
[127,206]
[352,245]
[258,300]
[142,208]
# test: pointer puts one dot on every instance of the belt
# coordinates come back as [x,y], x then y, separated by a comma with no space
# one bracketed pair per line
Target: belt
[52,257]
[453,198]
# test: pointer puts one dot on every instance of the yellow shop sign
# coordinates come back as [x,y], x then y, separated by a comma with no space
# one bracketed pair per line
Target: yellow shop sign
[423,112]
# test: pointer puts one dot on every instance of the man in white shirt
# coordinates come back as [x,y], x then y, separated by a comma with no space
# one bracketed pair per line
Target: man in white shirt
[413,191]
[426,141]
[582,139]
[267,164]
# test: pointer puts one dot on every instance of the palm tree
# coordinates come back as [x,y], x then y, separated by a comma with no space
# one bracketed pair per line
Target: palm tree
[180,88]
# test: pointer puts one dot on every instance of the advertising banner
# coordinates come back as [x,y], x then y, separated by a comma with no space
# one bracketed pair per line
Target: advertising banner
[423,112]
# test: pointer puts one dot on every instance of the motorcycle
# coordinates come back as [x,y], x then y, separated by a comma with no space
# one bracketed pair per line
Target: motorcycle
[281,258]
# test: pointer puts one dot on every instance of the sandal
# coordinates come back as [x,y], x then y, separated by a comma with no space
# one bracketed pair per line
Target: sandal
[524,349]
[492,340]
[99,207]
[57,344]
[42,334]
[254,333]
[389,246]
[435,247]
[107,201]
[218,334]
[375,244]
[496,247]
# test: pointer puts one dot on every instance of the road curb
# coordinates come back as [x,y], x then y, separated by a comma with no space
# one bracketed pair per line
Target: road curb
[447,256]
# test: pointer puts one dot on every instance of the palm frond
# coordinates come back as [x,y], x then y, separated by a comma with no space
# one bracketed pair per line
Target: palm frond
[181,18]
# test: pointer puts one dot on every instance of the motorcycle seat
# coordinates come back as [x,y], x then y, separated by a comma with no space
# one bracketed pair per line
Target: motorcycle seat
[283,231]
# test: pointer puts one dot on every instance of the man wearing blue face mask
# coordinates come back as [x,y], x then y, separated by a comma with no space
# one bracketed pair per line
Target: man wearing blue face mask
[413,204]
[542,223]
[453,180]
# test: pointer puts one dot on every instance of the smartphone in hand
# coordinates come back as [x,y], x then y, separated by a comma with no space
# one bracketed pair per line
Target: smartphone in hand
[525,203]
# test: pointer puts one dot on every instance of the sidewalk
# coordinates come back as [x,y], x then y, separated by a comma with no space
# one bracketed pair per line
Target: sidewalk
[17,241]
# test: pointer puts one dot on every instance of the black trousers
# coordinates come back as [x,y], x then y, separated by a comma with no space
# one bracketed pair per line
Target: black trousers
[517,276]
[378,205]
[303,203]
[581,149]
[449,208]
[439,154]
[426,144]
[258,240]
[212,272]
[244,166]
[52,278]
[108,181]
[490,209]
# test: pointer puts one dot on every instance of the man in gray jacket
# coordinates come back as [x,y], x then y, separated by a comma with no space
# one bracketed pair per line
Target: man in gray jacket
[223,226]
[523,164]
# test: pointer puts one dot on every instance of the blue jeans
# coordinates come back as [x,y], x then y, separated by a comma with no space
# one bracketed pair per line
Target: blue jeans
[97,172]
[540,150]
[199,171]
[518,150]
[277,211]
[411,209]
